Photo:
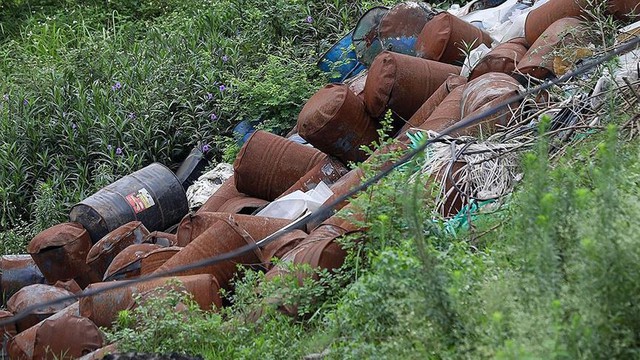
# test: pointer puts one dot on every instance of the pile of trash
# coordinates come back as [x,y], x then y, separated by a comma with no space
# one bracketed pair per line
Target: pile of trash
[430,69]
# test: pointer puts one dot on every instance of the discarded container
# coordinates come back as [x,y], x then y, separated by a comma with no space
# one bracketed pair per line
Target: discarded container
[399,27]
[282,245]
[21,346]
[61,252]
[269,164]
[403,83]
[245,205]
[335,121]
[152,195]
[225,233]
[423,113]
[538,61]
[365,35]
[67,337]
[445,38]
[6,332]
[225,192]
[126,265]
[161,238]
[503,58]
[486,92]
[153,260]
[328,173]
[34,295]
[446,114]
[243,131]
[69,285]
[192,167]
[340,61]
[102,308]
[103,252]
[16,272]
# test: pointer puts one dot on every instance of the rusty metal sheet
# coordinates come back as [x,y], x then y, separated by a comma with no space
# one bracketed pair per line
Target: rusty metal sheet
[503,58]
[33,295]
[403,83]
[538,61]
[399,27]
[6,332]
[61,251]
[161,238]
[69,285]
[126,265]
[269,164]
[103,252]
[16,272]
[443,37]
[335,121]
[156,258]
[226,232]
[103,307]
[20,347]
[67,337]
[356,85]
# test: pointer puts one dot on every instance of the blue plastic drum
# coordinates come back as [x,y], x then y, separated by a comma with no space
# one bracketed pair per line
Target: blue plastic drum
[340,61]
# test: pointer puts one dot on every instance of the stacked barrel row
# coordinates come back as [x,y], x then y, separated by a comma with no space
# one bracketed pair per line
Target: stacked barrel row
[140,225]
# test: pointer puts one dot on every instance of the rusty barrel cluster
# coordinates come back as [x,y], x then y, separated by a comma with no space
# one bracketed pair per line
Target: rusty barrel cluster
[140,224]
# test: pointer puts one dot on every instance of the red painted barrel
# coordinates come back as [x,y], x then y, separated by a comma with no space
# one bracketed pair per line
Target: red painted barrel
[103,252]
[103,307]
[219,233]
[445,37]
[34,295]
[153,260]
[335,121]
[126,265]
[269,164]
[16,272]
[403,83]
[61,252]
[503,58]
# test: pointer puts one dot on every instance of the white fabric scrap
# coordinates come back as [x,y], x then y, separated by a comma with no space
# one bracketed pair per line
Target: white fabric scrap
[207,184]
[292,206]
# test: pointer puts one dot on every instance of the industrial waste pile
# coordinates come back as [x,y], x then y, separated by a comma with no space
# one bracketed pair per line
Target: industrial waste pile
[429,69]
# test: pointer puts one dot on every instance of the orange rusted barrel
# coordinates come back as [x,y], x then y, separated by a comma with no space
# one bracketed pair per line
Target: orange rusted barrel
[538,61]
[269,164]
[33,295]
[446,114]
[445,37]
[484,93]
[335,121]
[224,233]
[126,265]
[281,245]
[61,252]
[66,337]
[153,260]
[6,332]
[540,18]
[328,173]
[226,191]
[402,83]
[69,285]
[503,58]
[16,272]
[103,252]
[21,346]
[423,113]
[102,308]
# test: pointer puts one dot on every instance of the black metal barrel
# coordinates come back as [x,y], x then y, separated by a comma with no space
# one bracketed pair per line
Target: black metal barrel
[152,195]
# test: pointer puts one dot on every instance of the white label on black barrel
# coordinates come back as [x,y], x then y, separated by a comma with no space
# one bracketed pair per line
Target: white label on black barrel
[140,201]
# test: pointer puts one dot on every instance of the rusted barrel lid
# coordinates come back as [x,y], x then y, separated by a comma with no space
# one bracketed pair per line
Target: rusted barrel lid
[156,258]
[103,252]
[403,83]
[67,337]
[365,35]
[34,295]
[335,121]
[126,265]
[445,38]
[269,164]
[484,93]
[399,27]
[503,58]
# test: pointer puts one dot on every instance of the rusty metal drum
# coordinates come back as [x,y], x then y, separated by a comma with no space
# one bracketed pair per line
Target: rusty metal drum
[34,295]
[104,251]
[153,260]
[127,264]
[16,272]
[503,58]
[399,28]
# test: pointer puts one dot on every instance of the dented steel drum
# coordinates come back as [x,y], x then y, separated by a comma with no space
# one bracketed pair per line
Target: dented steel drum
[445,37]
[365,35]
[282,245]
[61,252]
[245,205]
[160,238]
[335,121]
[102,308]
[328,173]
[229,197]
[152,195]
[399,27]
[34,295]
[21,346]
[16,272]
[219,233]
[269,164]
[69,285]
[340,61]
[403,83]
[6,332]
[538,61]
[127,264]
[66,337]
[104,251]
[503,58]
[446,114]
[153,260]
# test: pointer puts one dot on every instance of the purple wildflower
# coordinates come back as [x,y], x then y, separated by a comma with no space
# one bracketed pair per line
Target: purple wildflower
[118,151]
[209,96]
[206,148]
[225,58]
[222,88]
[116,86]
[132,115]
[308,20]
[25,102]
[213,117]
[109,147]
[5,97]
[74,126]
